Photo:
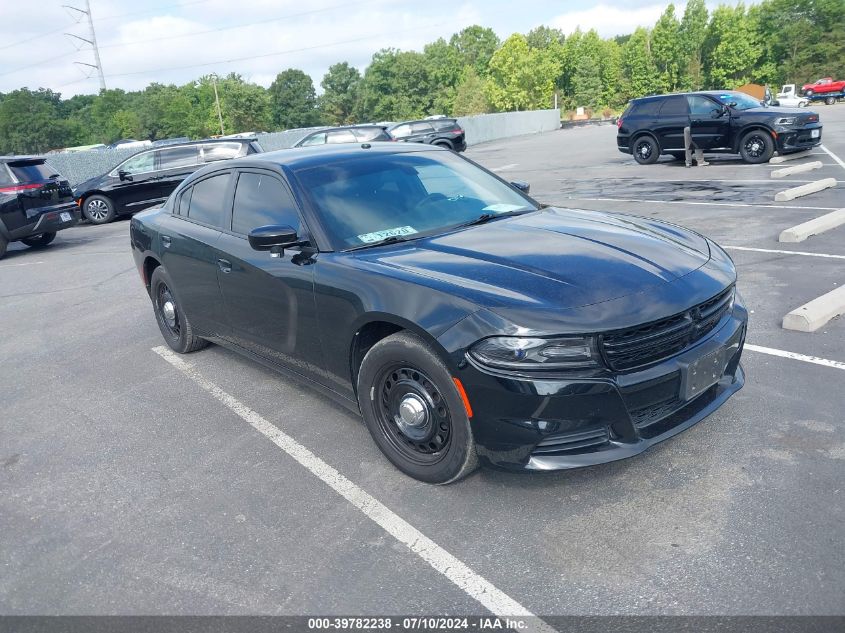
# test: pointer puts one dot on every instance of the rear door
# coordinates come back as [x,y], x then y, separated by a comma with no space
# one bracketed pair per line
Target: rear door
[422,132]
[176,164]
[673,118]
[189,239]
[710,125]
[269,301]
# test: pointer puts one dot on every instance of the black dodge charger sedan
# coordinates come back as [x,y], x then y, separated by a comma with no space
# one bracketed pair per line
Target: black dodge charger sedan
[461,318]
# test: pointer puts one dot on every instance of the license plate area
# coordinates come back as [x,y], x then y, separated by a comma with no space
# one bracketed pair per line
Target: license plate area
[703,373]
[815,133]
[65,216]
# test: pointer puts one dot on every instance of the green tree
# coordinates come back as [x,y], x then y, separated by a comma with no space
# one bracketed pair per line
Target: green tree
[691,37]
[731,47]
[443,70]
[610,64]
[638,65]
[245,106]
[521,78]
[587,82]
[30,122]
[395,86]
[475,46]
[293,101]
[340,90]
[666,49]
[470,95]
[544,37]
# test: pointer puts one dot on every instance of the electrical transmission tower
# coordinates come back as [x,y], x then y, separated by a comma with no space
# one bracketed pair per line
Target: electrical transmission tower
[93,41]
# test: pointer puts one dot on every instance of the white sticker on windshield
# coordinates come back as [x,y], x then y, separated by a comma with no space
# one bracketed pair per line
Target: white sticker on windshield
[380,235]
[503,208]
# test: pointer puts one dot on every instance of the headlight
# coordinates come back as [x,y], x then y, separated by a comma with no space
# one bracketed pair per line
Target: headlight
[786,120]
[516,352]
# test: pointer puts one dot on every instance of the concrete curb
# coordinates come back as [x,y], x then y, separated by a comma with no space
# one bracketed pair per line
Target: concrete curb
[815,226]
[811,316]
[796,169]
[804,190]
[776,160]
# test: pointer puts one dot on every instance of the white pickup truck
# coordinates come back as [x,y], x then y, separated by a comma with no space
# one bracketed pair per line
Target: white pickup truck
[788,97]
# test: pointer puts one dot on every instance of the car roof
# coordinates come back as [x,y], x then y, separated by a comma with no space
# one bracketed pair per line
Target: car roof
[14,159]
[712,93]
[345,127]
[429,121]
[299,157]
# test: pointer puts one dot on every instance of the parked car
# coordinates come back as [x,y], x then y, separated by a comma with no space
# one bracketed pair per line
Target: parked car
[788,98]
[147,178]
[345,134]
[461,318]
[442,132]
[720,121]
[35,202]
[826,85]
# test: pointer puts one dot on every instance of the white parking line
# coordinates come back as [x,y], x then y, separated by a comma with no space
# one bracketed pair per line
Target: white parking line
[22,264]
[771,250]
[505,167]
[802,357]
[833,156]
[477,587]
[709,204]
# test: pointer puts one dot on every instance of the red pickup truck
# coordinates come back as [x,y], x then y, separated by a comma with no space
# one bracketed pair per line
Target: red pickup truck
[823,86]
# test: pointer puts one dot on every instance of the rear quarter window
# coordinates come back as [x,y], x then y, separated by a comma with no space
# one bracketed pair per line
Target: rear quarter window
[208,200]
[645,108]
[444,125]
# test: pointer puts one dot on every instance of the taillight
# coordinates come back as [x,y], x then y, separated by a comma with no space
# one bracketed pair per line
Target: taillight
[619,123]
[16,188]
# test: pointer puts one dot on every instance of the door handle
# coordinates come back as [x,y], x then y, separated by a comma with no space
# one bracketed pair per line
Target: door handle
[224,265]
[165,241]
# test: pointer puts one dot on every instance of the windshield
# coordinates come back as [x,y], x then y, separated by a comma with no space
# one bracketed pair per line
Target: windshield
[742,101]
[367,199]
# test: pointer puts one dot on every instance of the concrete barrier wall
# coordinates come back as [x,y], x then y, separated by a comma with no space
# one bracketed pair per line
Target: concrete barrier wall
[80,166]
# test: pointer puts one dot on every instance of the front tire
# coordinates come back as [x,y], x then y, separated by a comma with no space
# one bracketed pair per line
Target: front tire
[414,412]
[39,241]
[172,321]
[830,101]
[645,150]
[809,93]
[756,147]
[98,209]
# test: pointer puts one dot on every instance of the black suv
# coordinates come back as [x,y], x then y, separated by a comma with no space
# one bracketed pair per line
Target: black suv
[345,134]
[721,122]
[443,132]
[35,202]
[147,178]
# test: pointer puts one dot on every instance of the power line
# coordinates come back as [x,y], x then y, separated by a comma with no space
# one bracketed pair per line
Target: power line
[93,41]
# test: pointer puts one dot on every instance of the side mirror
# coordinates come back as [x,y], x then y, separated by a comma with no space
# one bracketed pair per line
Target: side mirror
[524,187]
[266,238]
[124,175]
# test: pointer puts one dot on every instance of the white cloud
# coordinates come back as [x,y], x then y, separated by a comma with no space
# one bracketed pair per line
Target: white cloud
[611,20]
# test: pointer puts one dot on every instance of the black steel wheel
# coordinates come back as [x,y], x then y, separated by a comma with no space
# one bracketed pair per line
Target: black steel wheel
[172,321]
[756,147]
[414,411]
[645,150]
[39,241]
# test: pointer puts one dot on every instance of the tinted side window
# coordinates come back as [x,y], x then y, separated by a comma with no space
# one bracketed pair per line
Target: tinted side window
[262,199]
[340,136]
[207,200]
[185,201]
[442,125]
[648,108]
[702,106]
[674,106]
[421,128]
[178,157]
[220,151]
[371,134]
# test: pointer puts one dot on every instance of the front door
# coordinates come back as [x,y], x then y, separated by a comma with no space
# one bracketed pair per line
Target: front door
[269,300]
[138,188]
[710,123]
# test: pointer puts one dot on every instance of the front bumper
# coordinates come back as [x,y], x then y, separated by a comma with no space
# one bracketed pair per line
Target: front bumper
[793,140]
[536,424]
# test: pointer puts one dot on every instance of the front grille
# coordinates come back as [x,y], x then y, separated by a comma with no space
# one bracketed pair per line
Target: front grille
[654,413]
[651,342]
[578,442]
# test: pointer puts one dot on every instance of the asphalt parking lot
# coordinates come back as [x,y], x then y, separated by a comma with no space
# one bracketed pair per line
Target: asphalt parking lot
[128,488]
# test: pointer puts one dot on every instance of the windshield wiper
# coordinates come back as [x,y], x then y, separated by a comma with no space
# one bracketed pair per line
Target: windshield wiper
[486,217]
[393,239]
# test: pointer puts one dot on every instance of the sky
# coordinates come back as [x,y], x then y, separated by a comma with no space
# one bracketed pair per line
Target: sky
[176,41]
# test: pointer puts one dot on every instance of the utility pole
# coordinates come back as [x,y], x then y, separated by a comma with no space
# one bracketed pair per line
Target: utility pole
[93,41]
[217,101]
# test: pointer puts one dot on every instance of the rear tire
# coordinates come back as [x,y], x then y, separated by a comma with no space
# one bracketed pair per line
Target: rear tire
[809,93]
[172,321]
[39,241]
[414,412]
[98,209]
[756,147]
[645,150]
[830,101]
[4,243]
[445,144]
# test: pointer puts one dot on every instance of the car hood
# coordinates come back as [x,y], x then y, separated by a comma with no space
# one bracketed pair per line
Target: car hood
[553,258]
[88,185]
[776,110]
